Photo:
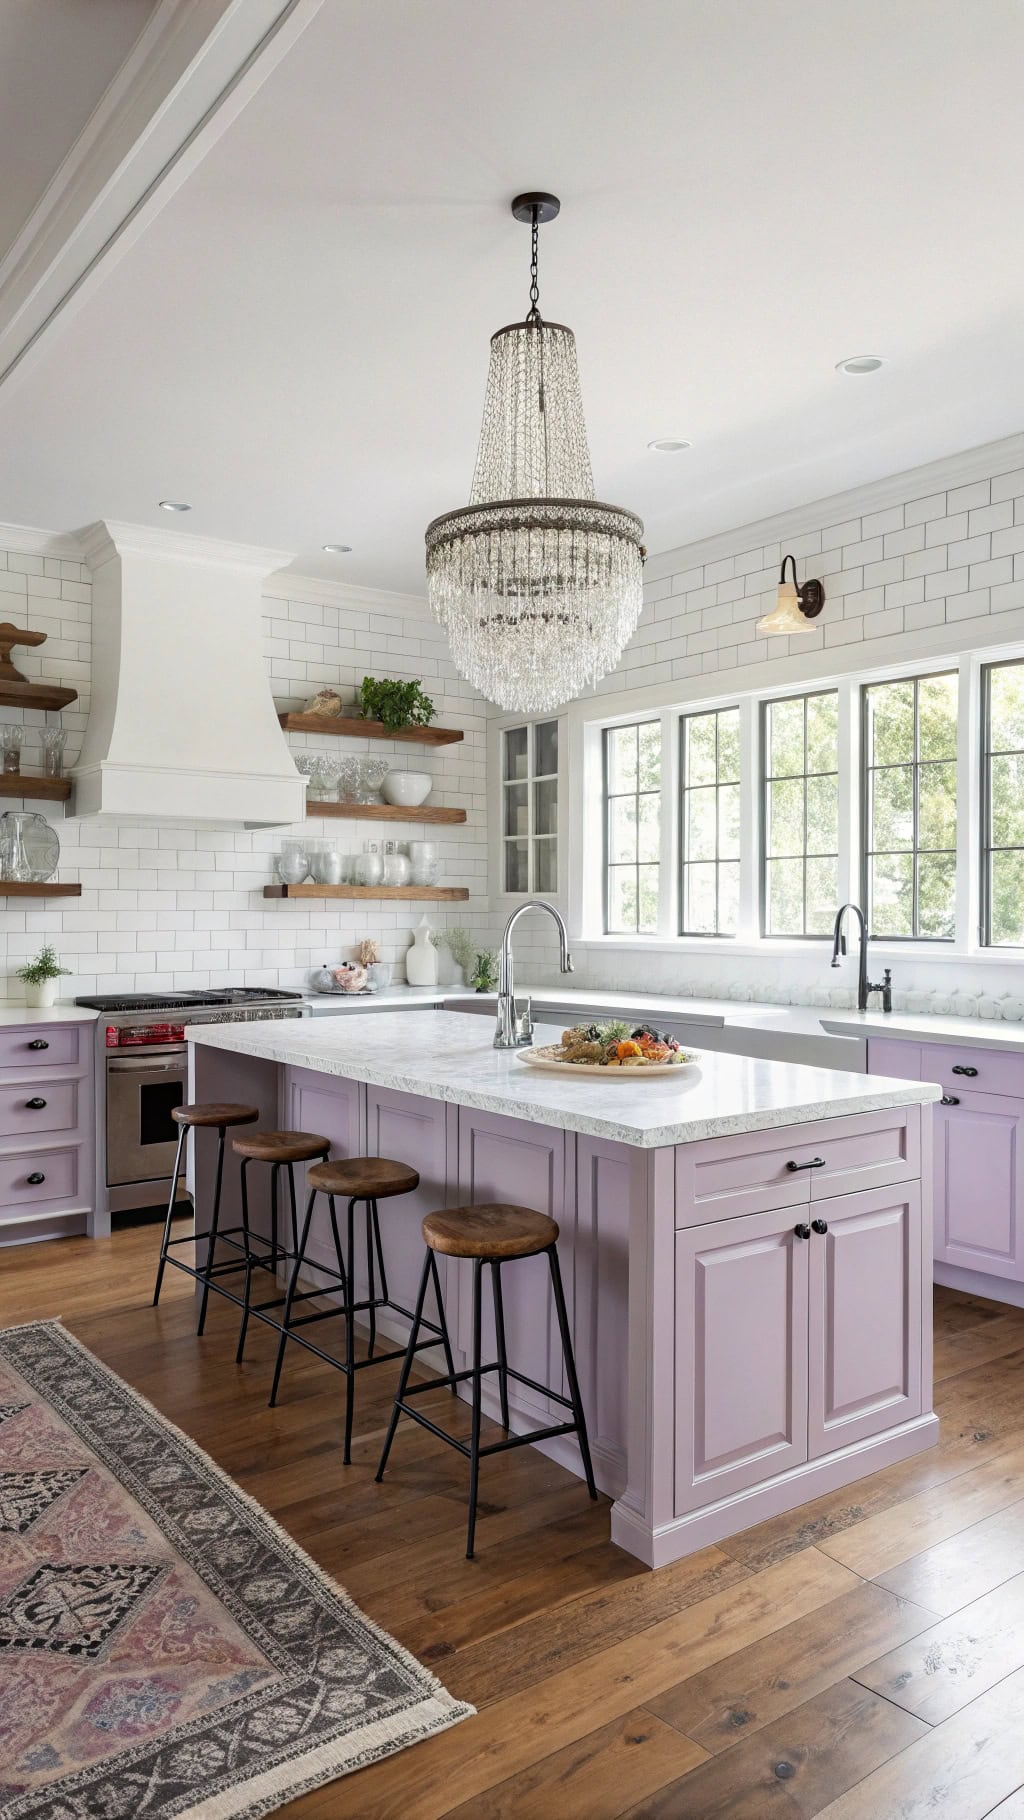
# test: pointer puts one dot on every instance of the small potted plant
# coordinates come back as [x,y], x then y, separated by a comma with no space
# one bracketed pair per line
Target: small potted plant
[395,704]
[485,972]
[40,977]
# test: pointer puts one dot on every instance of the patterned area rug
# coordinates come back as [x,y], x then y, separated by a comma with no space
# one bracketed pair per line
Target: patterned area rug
[165,1648]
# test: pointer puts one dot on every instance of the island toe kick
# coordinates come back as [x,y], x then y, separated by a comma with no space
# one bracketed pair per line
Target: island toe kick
[750,1312]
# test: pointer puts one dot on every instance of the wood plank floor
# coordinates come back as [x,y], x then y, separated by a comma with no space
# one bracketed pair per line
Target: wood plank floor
[861,1658]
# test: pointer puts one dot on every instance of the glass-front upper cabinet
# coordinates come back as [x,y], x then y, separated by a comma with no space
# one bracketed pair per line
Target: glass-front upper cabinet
[529,809]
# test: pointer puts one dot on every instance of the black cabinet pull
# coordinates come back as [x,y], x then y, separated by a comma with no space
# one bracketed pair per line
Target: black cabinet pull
[816,1162]
[35,1105]
[819,1225]
[960,1069]
[35,1179]
[949,1099]
[39,1042]
[802,1232]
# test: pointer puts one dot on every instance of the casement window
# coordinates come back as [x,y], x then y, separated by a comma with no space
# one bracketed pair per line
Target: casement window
[910,807]
[632,807]
[529,821]
[800,814]
[1002,814]
[709,810]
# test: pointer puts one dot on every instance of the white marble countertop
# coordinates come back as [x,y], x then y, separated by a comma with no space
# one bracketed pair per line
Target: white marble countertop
[445,1055]
[11,1013]
[388,998]
[926,1027]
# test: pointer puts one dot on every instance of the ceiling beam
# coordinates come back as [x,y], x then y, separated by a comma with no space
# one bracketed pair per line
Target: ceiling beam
[195,66]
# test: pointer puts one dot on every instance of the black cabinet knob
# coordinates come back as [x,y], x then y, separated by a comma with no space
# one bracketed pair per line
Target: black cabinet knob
[35,1105]
[949,1099]
[802,1232]
[36,1178]
[960,1069]
[39,1042]
[819,1225]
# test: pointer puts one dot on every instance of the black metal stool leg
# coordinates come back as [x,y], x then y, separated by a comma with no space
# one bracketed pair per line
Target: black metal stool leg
[247,1292]
[274,1248]
[499,1334]
[410,1354]
[371,1279]
[570,1369]
[211,1253]
[300,1251]
[295,1216]
[474,1437]
[182,1135]
[385,1297]
[342,1272]
[442,1322]
[350,1334]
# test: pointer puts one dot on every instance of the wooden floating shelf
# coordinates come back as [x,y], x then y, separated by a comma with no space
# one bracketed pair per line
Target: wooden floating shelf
[355,728]
[12,888]
[48,789]
[448,894]
[383,812]
[47,696]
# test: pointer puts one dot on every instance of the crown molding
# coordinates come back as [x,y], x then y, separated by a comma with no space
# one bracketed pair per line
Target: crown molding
[99,543]
[958,470]
[194,67]
[29,540]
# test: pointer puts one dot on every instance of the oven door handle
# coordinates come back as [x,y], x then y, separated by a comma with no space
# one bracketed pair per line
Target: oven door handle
[142,1065]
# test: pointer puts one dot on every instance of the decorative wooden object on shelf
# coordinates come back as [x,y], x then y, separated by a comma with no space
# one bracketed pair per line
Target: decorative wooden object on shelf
[383,812]
[438,893]
[356,728]
[9,637]
[49,789]
[13,888]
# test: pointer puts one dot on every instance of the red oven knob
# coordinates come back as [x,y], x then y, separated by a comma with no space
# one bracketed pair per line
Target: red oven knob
[111,1036]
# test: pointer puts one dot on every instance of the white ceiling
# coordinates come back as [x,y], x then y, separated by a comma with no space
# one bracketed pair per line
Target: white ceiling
[751,190]
[56,59]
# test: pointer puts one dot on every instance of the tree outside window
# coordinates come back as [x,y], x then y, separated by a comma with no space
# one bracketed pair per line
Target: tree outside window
[632,777]
[910,782]
[1003,806]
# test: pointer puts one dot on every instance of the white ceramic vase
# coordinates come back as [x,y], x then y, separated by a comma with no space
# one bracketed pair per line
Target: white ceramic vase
[421,958]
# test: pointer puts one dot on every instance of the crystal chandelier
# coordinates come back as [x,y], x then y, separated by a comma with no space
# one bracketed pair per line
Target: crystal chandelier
[536,583]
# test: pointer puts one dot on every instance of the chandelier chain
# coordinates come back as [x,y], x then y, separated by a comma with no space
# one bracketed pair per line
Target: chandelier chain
[533,313]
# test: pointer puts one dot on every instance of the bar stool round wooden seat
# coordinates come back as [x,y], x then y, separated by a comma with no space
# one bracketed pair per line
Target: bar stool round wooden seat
[494,1233]
[368,1179]
[282,1150]
[219,1115]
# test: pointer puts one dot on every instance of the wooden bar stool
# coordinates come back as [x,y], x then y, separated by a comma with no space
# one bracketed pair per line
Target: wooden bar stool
[282,1150]
[496,1234]
[368,1179]
[189,1118]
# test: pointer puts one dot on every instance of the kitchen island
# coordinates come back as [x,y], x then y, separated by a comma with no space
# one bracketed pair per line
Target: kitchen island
[746,1246]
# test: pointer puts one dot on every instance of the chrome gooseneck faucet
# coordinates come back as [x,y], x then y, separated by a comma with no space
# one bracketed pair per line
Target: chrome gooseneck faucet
[515,1028]
[864,985]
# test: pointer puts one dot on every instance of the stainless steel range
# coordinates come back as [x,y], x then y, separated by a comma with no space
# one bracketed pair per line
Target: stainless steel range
[143,1060]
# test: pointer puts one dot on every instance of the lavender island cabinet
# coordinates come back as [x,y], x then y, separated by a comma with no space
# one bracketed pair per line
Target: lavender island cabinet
[746,1247]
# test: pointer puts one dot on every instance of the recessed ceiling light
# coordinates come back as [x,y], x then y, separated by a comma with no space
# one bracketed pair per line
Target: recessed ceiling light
[337,549]
[860,363]
[174,505]
[669,445]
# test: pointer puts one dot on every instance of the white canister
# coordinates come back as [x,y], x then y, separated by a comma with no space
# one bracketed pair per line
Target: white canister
[421,958]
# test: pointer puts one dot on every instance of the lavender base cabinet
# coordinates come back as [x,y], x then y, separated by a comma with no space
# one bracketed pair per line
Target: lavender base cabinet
[730,1369]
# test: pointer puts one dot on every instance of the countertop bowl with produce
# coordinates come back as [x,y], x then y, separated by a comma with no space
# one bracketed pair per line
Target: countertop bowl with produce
[612,1049]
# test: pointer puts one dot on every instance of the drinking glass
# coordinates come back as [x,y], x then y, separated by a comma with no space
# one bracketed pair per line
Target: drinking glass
[10,741]
[54,741]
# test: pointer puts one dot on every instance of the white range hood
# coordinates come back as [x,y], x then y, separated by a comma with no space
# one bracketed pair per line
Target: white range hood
[182,726]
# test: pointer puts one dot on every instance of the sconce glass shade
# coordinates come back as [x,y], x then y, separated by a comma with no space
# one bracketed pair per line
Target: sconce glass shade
[785,618]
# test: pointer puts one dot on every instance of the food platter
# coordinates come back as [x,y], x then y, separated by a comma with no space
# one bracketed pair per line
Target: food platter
[547,1056]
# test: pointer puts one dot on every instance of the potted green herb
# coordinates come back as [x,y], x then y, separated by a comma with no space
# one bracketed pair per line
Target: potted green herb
[394,704]
[485,973]
[40,976]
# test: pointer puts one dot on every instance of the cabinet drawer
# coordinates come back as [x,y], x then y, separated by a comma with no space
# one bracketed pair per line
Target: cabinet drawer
[718,1178]
[43,1045]
[981,1070]
[58,1169]
[33,1106]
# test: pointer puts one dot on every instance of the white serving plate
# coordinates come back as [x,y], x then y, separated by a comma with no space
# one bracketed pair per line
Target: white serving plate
[547,1057]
